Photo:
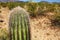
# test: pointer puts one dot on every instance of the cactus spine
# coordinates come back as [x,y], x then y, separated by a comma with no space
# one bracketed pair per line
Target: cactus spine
[19,25]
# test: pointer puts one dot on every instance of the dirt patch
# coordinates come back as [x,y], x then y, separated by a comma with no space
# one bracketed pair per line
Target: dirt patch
[41,29]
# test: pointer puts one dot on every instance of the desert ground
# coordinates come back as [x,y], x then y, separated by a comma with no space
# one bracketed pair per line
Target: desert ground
[40,27]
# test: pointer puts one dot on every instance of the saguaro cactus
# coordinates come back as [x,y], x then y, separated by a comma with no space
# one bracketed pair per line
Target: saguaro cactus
[19,24]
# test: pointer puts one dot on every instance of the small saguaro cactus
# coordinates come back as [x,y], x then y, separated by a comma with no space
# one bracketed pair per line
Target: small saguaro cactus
[19,24]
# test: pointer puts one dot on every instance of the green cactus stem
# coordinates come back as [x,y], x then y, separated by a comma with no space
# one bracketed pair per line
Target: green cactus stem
[19,24]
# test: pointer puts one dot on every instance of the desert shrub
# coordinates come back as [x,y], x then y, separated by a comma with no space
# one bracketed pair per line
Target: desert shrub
[31,8]
[3,34]
[50,7]
[56,19]
[11,5]
[3,4]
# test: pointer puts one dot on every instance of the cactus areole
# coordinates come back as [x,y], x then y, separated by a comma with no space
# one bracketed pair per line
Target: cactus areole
[19,24]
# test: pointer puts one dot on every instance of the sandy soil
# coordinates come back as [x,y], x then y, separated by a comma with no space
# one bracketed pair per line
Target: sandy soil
[41,29]
[4,17]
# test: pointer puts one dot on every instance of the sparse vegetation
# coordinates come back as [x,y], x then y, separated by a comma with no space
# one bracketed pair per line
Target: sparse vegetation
[4,34]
